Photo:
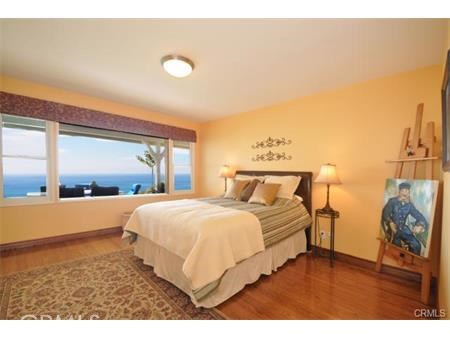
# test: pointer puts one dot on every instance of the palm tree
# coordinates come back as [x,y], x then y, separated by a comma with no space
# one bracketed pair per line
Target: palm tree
[149,161]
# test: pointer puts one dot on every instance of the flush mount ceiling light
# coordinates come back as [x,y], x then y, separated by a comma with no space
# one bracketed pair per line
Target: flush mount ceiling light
[177,65]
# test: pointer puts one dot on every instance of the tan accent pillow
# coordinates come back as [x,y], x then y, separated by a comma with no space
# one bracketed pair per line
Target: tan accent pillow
[235,189]
[248,190]
[265,193]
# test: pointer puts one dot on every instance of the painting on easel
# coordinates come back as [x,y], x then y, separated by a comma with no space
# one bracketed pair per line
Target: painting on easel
[408,214]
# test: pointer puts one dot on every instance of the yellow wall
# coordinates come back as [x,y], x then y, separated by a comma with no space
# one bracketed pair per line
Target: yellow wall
[356,127]
[444,273]
[20,223]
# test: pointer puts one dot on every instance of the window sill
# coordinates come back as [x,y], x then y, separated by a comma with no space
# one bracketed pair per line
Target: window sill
[109,198]
[28,201]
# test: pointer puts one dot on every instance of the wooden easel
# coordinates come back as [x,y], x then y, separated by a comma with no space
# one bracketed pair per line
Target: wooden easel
[411,152]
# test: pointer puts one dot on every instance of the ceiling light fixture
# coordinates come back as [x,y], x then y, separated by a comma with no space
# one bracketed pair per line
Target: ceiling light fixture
[177,65]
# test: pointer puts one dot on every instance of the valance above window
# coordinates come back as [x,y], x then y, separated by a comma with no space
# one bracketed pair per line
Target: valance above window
[52,111]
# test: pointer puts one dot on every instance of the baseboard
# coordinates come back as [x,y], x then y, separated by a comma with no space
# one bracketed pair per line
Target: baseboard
[57,239]
[389,270]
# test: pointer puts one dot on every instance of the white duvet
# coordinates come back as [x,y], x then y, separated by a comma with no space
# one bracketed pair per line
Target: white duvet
[210,238]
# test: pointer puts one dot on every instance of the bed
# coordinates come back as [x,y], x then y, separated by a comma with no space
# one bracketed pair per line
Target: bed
[212,248]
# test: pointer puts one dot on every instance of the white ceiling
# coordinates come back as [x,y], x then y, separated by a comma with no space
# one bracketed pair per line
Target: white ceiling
[240,64]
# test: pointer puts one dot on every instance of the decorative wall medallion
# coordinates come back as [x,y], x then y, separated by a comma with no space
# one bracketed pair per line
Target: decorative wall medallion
[271,142]
[271,156]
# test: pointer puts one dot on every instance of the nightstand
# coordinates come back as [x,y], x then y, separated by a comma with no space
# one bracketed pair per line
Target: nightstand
[332,215]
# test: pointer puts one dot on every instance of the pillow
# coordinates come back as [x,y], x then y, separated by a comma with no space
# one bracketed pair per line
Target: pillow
[288,185]
[298,198]
[248,190]
[265,193]
[235,189]
[250,177]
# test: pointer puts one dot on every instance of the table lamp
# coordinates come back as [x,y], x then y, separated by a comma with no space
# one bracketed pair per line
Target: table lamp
[226,172]
[328,175]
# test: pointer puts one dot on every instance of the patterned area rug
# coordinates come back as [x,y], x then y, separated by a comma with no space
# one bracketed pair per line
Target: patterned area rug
[112,286]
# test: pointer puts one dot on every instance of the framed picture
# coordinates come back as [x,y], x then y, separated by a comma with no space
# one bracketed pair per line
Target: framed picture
[408,214]
[446,116]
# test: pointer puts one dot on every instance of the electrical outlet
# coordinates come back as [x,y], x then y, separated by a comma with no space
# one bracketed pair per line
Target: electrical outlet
[323,234]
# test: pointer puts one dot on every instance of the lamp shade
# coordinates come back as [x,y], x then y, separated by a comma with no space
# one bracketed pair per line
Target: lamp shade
[328,174]
[227,172]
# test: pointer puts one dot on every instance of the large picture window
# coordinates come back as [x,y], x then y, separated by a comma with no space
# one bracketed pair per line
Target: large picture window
[106,163]
[45,161]
[24,156]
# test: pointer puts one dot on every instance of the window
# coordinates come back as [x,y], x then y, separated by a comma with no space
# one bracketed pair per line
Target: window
[105,163]
[24,157]
[41,160]
[182,166]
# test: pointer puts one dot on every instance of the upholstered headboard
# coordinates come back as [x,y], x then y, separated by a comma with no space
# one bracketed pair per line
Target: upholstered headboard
[303,190]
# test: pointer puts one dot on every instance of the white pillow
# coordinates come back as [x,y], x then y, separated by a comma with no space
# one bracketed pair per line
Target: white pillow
[299,198]
[250,177]
[288,185]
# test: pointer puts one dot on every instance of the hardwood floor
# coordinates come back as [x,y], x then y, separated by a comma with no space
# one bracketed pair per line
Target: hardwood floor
[308,288]
[305,288]
[28,258]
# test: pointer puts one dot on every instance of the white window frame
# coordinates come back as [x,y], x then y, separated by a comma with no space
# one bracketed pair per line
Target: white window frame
[172,171]
[52,197]
[50,139]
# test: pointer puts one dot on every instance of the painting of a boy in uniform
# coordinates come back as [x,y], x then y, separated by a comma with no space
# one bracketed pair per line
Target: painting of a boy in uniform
[408,212]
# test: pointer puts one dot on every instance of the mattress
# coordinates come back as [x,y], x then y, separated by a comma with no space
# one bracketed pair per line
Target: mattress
[168,266]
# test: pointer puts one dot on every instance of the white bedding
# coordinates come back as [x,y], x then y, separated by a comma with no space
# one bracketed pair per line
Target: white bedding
[211,239]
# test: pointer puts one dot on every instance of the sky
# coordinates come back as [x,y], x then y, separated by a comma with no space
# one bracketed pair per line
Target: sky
[79,155]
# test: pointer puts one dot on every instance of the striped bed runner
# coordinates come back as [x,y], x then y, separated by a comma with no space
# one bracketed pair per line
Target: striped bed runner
[278,221]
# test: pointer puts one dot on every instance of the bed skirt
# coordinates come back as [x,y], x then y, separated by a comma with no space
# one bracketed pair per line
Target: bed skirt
[169,267]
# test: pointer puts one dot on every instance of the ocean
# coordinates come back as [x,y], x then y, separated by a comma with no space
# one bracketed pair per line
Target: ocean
[20,185]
